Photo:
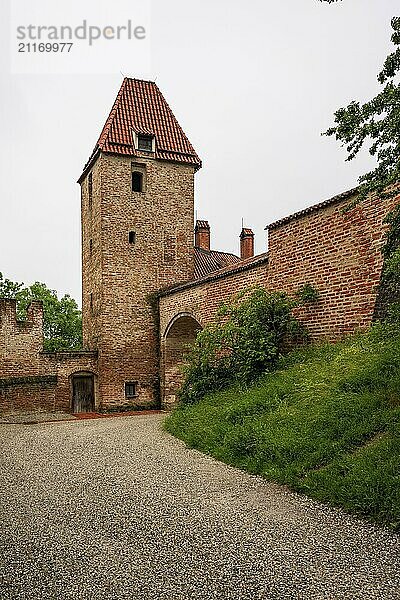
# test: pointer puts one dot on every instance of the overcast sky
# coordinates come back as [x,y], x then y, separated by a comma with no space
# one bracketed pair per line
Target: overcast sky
[253,85]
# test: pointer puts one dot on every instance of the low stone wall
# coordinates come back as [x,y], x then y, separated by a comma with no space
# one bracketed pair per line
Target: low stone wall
[26,394]
[30,379]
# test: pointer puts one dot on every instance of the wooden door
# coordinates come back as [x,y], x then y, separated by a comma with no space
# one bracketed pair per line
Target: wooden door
[82,394]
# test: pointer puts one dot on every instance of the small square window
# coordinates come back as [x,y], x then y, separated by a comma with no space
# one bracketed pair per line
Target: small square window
[145,143]
[130,389]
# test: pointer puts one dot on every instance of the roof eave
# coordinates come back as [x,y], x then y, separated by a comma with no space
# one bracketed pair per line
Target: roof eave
[95,154]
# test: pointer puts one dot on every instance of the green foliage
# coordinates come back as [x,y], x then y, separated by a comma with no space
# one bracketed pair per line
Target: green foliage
[377,123]
[326,423]
[8,288]
[245,342]
[307,293]
[62,320]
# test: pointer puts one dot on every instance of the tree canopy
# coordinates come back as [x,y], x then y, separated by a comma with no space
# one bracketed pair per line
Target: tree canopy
[62,320]
[376,124]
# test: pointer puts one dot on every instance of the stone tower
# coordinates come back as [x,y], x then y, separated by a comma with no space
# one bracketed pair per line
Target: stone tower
[137,237]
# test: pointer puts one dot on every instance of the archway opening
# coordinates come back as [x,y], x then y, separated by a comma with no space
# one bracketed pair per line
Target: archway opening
[180,334]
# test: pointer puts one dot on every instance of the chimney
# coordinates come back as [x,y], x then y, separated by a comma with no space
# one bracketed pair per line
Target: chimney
[202,235]
[246,243]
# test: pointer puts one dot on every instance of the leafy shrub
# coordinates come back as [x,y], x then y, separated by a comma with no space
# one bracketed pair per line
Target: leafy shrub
[245,342]
[307,293]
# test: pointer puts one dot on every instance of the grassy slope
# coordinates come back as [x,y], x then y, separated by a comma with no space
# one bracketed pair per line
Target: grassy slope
[326,424]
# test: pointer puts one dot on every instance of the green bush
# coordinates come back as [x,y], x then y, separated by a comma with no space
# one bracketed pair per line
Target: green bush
[307,293]
[246,341]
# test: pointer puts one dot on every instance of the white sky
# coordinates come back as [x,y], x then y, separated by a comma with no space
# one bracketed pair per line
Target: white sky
[252,84]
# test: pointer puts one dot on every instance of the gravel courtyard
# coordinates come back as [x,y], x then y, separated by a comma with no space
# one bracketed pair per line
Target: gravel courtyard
[117,509]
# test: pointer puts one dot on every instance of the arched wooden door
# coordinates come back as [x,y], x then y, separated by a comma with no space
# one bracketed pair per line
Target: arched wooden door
[82,393]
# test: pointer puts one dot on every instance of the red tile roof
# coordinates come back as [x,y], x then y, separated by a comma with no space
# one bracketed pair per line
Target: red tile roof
[141,107]
[208,261]
[230,269]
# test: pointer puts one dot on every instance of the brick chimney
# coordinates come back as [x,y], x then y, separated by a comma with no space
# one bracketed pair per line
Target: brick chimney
[246,243]
[202,235]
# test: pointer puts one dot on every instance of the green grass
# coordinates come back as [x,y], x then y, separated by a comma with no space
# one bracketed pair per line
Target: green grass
[327,424]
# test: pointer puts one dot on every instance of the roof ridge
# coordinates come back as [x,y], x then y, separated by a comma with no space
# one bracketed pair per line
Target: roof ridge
[216,252]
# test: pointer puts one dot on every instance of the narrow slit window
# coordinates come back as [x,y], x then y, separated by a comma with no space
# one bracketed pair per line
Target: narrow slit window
[91,302]
[90,247]
[90,189]
[137,181]
[132,237]
[130,389]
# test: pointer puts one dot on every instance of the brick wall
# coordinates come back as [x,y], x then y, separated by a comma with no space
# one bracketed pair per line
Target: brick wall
[30,379]
[339,253]
[336,251]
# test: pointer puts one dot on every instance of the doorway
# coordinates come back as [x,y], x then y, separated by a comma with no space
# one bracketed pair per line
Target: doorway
[83,393]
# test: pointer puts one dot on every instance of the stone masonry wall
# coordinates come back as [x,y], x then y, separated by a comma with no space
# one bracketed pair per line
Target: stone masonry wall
[30,379]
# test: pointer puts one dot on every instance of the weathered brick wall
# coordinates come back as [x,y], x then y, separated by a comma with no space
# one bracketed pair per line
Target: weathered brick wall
[123,275]
[200,301]
[20,341]
[26,394]
[31,379]
[336,251]
[91,240]
[339,253]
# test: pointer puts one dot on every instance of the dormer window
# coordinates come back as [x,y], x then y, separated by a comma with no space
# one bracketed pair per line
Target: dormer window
[145,143]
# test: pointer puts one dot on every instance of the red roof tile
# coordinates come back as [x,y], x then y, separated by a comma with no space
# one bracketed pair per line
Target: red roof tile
[230,269]
[141,107]
[208,261]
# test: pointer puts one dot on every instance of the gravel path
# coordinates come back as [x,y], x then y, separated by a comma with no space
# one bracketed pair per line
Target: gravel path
[118,509]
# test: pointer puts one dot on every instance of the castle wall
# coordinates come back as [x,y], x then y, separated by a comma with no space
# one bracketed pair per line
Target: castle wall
[30,379]
[201,302]
[202,299]
[337,251]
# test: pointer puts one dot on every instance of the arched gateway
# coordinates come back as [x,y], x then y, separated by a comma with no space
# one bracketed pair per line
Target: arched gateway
[179,334]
